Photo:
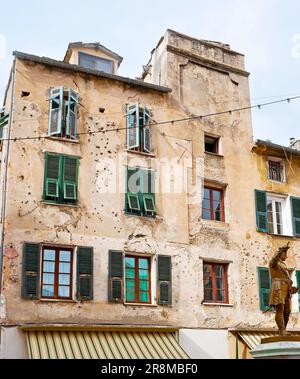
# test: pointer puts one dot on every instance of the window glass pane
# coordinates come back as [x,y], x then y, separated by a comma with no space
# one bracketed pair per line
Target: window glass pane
[208,295]
[143,274]
[64,268]
[144,297]
[143,263]
[206,214]
[219,270]
[220,295]
[49,267]
[65,256]
[129,262]
[48,278]
[144,285]
[216,195]
[48,291]
[49,255]
[64,279]
[130,290]
[218,216]
[220,283]
[207,276]
[206,204]
[64,291]
[130,273]
[206,193]
[216,205]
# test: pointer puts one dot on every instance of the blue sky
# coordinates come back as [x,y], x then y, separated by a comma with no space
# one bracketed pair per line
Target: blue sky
[267,32]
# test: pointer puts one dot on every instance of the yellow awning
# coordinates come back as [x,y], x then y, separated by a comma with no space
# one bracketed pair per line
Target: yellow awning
[253,339]
[76,344]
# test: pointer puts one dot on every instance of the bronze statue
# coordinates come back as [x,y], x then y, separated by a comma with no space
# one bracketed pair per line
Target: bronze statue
[281,289]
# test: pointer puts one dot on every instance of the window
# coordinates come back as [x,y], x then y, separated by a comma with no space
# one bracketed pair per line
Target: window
[139,128]
[137,279]
[211,144]
[264,282]
[47,272]
[56,273]
[134,285]
[273,214]
[140,198]
[215,283]
[213,204]
[3,122]
[276,168]
[61,177]
[96,63]
[63,113]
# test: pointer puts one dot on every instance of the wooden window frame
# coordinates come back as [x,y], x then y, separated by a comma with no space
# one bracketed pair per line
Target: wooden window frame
[137,281]
[214,282]
[279,164]
[216,144]
[212,216]
[140,115]
[56,273]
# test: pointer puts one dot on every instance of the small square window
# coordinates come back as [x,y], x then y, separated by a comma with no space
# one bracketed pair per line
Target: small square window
[276,170]
[211,144]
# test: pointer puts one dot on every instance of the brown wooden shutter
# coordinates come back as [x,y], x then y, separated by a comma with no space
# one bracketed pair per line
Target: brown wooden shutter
[85,273]
[115,279]
[164,280]
[30,271]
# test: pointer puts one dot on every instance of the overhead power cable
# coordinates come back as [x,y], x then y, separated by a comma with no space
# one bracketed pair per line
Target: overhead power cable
[200,117]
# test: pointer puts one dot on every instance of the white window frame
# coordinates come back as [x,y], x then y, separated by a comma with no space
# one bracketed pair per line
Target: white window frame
[286,216]
[282,164]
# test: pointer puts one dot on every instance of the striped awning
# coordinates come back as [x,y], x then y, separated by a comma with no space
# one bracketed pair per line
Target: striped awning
[76,344]
[253,339]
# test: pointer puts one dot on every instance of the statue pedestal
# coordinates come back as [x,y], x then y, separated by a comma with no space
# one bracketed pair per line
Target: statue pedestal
[281,347]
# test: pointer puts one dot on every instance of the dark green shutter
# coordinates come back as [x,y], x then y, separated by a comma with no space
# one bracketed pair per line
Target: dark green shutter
[164,280]
[264,282]
[70,178]
[115,279]
[261,211]
[31,271]
[52,174]
[295,203]
[298,285]
[85,273]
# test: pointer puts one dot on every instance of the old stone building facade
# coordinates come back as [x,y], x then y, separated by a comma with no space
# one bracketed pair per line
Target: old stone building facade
[126,216]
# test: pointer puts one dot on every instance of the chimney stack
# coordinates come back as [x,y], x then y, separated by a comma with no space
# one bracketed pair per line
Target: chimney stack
[295,143]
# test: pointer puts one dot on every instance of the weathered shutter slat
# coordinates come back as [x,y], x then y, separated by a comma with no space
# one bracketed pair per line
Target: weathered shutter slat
[295,204]
[164,280]
[55,113]
[30,271]
[70,178]
[71,114]
[261,211]
[264,281]
[115,279]
[85,268]
[147,130]
[133,126]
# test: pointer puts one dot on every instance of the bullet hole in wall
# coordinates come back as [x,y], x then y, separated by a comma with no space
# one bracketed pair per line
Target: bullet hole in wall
[25,93]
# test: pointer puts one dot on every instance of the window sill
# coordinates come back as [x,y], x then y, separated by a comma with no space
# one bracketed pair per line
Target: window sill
[62,139]
[214,154]
[277,181]
[141,305]
[150,155]
[58,301]
[141,216]
[218,305]
[60,204]
[279,235]
[214,223]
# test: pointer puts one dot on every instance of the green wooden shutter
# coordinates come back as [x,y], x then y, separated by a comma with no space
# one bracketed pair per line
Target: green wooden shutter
[3,122]
[295,204]
[52,175]
[55,113]
[85,273]
[298,285]
[133,126]
[147,132]
[261,211]
[70,174]
[133,188]
[71,114]
[164,280]
[147,192]
[31,271]
[115,279]
[264,282]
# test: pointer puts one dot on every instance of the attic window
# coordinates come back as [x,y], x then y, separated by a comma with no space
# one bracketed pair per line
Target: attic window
[211,144]
[96,63]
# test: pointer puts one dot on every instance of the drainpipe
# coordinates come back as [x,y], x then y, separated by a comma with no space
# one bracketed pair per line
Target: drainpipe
[4,183]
